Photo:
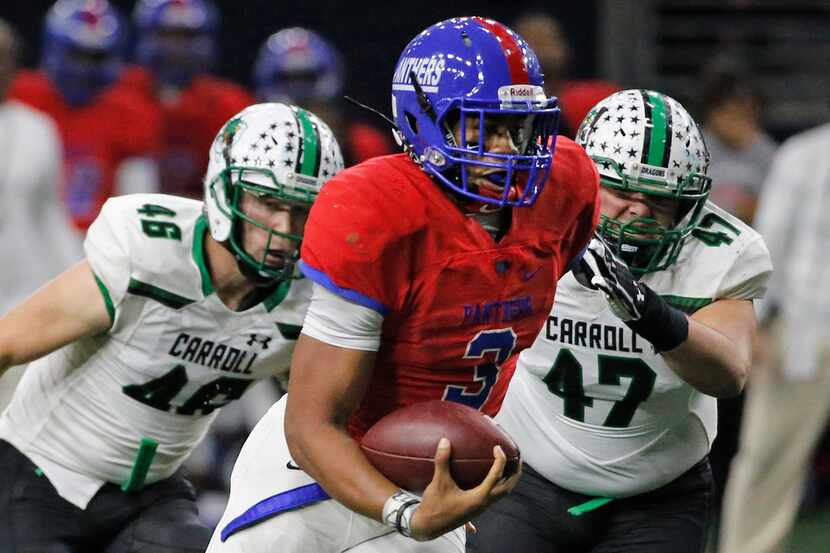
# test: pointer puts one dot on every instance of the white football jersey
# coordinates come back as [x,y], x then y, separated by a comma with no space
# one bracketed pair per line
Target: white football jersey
[174,355]
[593,408]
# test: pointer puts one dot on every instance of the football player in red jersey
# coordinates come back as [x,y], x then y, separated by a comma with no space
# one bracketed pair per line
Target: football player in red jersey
[81,60]
[298,65]
[430,269]
[175,49]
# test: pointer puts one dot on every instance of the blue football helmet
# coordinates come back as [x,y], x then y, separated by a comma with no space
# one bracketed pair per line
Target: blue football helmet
[466,71]
[82,48]
[176,38]
[297,65]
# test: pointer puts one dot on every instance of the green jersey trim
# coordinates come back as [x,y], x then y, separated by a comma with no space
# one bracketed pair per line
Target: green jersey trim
[141,466]
[277,296]
[289,332]
[107,298]
[160,295]
[687,305]
[199,254]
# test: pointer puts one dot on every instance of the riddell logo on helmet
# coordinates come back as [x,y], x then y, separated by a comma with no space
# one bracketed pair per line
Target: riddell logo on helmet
[520,93]
[428,71]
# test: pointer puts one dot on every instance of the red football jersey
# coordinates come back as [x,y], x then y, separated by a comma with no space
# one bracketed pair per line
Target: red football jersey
[456,303]
[96,138]
[190,121]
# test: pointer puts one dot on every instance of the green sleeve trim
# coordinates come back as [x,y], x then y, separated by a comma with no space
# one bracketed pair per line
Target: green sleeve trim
[289,332]
[277,296]
[141,465]
[107,298]
[199,254]
[687,305]
[160,295]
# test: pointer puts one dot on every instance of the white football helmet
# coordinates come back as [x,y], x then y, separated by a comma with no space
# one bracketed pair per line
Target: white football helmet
[270,149]
[644,141]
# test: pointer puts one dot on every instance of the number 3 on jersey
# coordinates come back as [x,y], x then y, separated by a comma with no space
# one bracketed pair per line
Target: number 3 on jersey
[498,342]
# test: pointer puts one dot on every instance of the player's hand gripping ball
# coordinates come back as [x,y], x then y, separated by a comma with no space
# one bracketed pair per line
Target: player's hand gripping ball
[402,444]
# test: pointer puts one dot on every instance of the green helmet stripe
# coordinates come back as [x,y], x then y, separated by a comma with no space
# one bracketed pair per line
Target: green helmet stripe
[308,157]
[668,123]
[657,148]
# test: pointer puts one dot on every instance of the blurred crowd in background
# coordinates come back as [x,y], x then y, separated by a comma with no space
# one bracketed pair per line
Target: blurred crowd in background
[105,99]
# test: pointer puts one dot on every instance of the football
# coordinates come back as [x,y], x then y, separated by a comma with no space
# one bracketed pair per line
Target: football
[402,444]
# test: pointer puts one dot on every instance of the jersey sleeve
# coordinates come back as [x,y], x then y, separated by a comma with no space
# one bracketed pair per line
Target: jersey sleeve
[354,244]
[582,180]
[747,278]
[107,252]
[336,321]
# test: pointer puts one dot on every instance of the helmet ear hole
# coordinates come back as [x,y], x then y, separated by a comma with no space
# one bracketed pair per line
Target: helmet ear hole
[412,122]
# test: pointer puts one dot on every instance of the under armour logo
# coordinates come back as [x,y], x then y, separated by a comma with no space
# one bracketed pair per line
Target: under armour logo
[256,338]
[640,296]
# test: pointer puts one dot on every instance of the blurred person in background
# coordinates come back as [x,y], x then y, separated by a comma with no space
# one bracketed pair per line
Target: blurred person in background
[175,52]
[300,66]
[33,226]
[730,107]
[576,97]
[788,400]
[109,135]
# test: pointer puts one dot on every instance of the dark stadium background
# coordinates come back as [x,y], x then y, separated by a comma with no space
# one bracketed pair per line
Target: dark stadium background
[371,34]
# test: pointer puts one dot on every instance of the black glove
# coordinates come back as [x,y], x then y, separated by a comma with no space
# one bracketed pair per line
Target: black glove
[637,305]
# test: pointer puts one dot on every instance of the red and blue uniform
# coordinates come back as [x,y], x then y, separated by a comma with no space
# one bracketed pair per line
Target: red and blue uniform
[96,137]
[189,124]
[456,303]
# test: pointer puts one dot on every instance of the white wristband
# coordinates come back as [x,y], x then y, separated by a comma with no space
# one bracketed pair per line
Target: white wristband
[398,511]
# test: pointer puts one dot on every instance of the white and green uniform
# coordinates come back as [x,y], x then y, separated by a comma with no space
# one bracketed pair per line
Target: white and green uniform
[593,408]
[173,355]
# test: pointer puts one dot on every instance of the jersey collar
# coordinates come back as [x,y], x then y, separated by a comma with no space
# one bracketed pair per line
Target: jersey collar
[270,302]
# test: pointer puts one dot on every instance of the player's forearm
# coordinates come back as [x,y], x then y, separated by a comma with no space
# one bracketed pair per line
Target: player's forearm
[330,456]
[10,341]
[709,361]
